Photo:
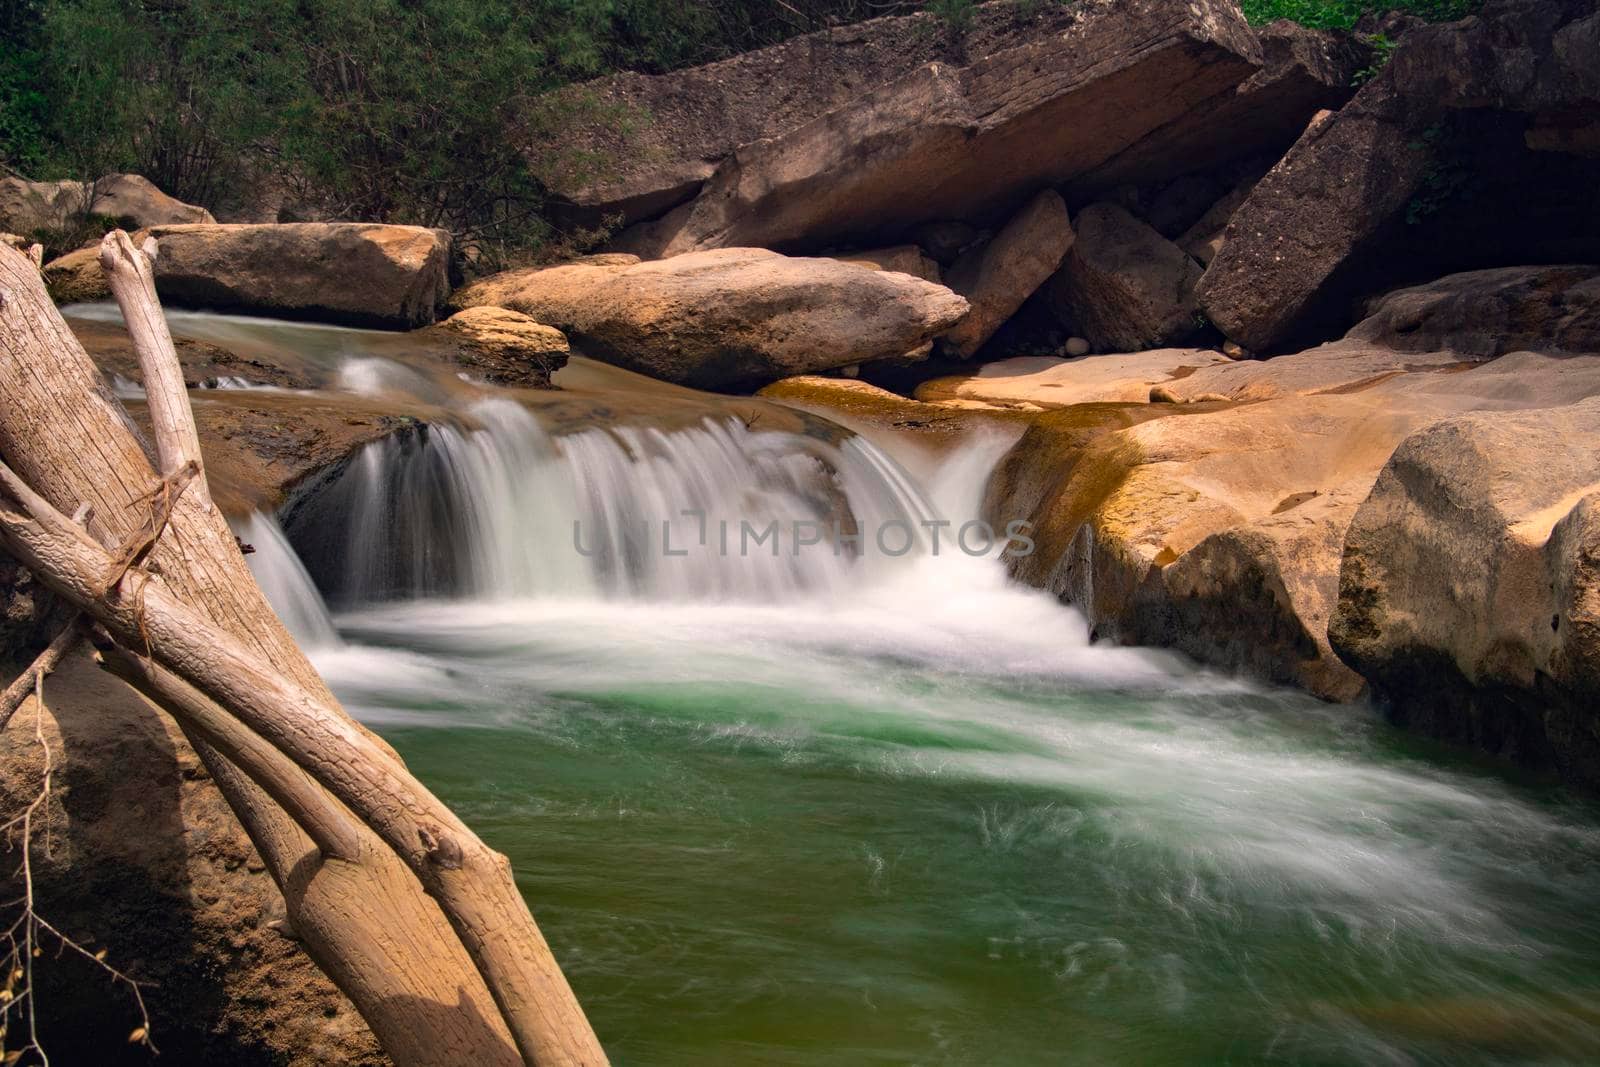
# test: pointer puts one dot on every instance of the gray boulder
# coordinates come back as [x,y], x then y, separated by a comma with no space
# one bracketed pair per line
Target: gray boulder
[135,203]
[1487,313]
[29,207]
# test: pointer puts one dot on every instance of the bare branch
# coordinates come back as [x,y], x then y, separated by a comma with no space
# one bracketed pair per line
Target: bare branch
[46,662]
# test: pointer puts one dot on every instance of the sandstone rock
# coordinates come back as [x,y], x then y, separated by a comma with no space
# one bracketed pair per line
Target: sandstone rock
[1123,285]
[76,278]
[946,239]
[1044,382]
[507,347]
[862,407]
[1203,240]
[631,146]
[134,202]
[998,276]
[1470,589]
[1300,71]
[1342,367]
[1491,312]
[730,316]
[1103,103]
[1126,95]
[1180,203]
[1217,527]
[358,274]
[28,207]
[1300,246]
[903,259]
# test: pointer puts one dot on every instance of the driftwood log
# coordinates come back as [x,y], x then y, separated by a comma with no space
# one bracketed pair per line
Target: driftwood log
[409,913]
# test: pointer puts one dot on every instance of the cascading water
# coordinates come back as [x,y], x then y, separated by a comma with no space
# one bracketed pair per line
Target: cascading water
[825,809]
[716,512]
[282,577]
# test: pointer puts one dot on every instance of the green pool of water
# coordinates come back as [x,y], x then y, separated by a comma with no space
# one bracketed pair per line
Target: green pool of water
[814,835]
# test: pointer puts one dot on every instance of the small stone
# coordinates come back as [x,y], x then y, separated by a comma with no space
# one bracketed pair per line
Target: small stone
[1076,346]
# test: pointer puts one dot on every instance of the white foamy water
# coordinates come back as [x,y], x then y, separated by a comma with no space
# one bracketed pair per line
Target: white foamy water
[881,807]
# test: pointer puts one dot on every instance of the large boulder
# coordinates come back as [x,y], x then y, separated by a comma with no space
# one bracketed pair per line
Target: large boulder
[728,317]
[998,276]
[1491,312]
[1183,499]
[135,202]
[31,207]
[1348,205]
[1217,527]
[631,146]
[1124,286]
[1129,92]
[1470,591]
[357,274]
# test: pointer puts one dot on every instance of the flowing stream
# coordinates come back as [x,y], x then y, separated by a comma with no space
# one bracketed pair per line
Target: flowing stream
[887,807]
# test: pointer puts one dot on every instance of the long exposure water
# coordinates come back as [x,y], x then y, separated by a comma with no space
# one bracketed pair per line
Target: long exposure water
[823,809]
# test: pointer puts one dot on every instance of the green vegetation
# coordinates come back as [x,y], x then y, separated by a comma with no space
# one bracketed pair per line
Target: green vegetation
[1382,50]
[1343,14]
[389,110]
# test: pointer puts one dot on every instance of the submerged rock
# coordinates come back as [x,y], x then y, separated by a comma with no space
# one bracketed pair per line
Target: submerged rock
[728,317]
[1470,589]
[356,274]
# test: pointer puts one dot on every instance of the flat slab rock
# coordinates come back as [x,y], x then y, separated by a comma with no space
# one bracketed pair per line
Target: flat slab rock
[1214,519]
[1125,92]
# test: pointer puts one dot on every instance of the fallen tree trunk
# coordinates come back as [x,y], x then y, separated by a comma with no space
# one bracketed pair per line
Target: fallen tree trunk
[475,986]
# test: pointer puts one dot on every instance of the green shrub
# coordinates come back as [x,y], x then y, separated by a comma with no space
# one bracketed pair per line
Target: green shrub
[1343,14]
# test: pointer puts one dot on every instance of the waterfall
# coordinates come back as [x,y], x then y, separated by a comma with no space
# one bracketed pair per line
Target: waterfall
[716,512]
[284,580]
